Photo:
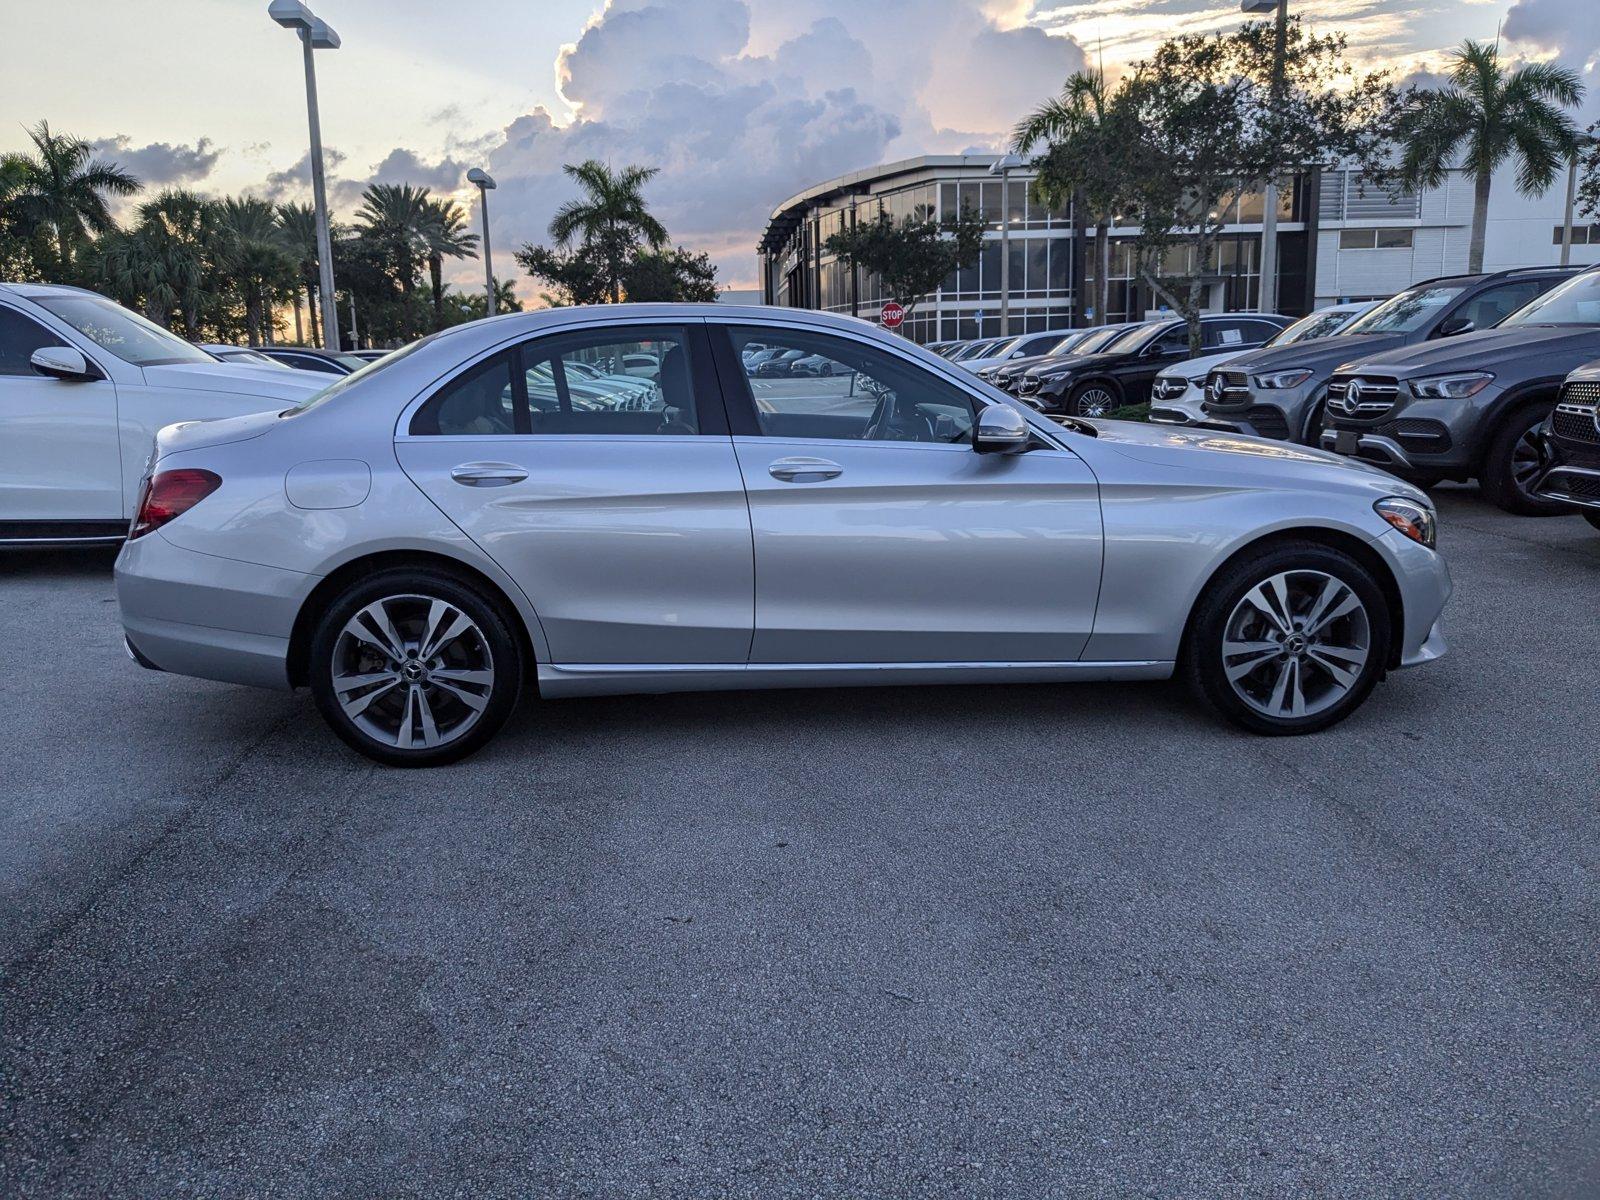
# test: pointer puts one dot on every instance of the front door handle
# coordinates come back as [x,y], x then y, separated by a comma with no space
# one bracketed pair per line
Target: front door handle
[488,474]
[804,470]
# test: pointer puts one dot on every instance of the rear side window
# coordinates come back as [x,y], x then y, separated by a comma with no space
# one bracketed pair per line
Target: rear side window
[1493,305]
[480,402]
[20,336]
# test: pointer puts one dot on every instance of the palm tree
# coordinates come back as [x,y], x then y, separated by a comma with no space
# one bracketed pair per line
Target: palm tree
[1488,115]
[445,236]
[297,234]
[63,192]
[177,223]
[610,216]
[1081,116]
[394,217]
[251,257]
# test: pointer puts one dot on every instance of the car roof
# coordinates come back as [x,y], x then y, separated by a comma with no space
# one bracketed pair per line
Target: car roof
[33,290]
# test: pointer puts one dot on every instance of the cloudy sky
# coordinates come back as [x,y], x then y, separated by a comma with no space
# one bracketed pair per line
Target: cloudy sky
[741,103]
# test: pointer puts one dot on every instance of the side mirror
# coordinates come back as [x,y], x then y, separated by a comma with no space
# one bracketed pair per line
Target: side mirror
[1000,430]
[62,362]
[1456,325]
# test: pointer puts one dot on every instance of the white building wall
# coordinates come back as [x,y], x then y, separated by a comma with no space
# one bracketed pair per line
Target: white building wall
[1519,234]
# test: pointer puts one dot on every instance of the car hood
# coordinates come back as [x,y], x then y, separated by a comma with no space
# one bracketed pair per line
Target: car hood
[1248,459]
[239,379]
[1487,350]
[1197,368]
[1321,355]
[1077,362]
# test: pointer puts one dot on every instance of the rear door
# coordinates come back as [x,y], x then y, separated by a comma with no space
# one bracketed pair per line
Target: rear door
[59,451]
[881,537]
[619,509]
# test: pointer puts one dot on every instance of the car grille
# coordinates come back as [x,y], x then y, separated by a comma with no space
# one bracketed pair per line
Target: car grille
[1585,489]
[1029,385]
[1414,433]
[1373,396]
[1268,421]
[1226,389]
[1169,389]
[1574,417]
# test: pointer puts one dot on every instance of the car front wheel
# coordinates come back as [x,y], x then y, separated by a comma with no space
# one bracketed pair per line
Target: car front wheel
[1093,400]
[1511,465]
[414,668]
[1288,641]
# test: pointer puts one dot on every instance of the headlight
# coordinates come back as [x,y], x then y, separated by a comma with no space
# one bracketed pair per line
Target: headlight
[1279,380]
[1450,387]
[1417,521]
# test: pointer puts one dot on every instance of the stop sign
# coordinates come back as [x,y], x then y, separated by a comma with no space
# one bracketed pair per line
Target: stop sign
[892,315]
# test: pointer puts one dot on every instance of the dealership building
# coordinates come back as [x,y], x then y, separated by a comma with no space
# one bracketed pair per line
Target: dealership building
[1340,237]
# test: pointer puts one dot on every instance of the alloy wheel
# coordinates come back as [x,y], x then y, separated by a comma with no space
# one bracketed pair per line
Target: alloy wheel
[1525,462]
[413,672]
[1296,644]
[1095,402]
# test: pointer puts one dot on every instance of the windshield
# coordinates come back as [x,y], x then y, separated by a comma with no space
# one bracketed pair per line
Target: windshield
[1575,302]
[126,334]
[366,372]
[974,350]
[1317,325]
[1129,339]
[1407,312]
[1099,339]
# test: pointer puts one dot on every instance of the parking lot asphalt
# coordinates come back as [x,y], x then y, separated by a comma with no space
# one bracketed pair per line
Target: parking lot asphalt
[1003,941]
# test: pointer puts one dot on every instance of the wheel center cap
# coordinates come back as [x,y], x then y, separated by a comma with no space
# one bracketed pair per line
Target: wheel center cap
[413,671]
[1295,643]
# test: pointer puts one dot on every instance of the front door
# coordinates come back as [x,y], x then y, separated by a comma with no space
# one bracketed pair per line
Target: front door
[597,470]
[60,458]
[881,537]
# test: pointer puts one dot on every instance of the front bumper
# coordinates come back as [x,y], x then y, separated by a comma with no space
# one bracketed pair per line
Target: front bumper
[1571,471]
[1186,408]
[1424,583]
[1277,413]
[1420,437]
[198,614]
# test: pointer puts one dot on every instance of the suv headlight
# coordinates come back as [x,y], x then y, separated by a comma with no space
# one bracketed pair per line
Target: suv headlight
[1450,387]
[1278,380]
[1417,521]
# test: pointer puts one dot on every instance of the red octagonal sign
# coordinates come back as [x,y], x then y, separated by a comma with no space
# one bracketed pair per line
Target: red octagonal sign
[892,315]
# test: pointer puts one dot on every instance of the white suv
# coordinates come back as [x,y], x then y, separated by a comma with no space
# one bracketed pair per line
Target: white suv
[84,385]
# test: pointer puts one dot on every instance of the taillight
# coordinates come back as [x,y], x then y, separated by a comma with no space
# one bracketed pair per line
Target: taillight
[170,494]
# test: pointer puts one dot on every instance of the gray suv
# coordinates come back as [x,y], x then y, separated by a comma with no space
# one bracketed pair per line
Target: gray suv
[1279,392]
[1470,408]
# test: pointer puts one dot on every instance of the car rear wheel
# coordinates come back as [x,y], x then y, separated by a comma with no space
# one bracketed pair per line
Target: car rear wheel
[1093,400]
[414,668]
[1511,465]
[1288,641]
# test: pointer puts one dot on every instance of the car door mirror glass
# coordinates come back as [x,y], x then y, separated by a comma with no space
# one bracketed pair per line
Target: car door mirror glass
[62,362]
[1456,325]
[1000,430]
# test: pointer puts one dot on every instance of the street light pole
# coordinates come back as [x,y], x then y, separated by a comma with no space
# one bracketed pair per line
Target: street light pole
[1269,212]
[485,184]
[1572,196]
[1003,168]
[315,34]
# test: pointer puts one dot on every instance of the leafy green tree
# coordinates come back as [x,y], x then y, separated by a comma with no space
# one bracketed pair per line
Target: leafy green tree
[62,195]
[912,257]
[16,259]
[1486,116]
[1083,162]
[250,256]
[1589,171]
[579,276]
[610,218]
[445,236]
[461,307]
[670,276]
[297,235]
[394,219]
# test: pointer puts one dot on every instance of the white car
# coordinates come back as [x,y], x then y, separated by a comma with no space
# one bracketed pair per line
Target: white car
[1176,394]
[84,385]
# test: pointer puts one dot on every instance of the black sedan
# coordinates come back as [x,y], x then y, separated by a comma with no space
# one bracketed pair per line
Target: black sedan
[307,358]
[1121,372]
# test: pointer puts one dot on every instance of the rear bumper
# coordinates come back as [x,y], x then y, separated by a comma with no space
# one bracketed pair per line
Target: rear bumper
[214,618]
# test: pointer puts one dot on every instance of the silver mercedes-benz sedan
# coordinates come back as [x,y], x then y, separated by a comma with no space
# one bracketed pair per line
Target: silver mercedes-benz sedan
[603,500]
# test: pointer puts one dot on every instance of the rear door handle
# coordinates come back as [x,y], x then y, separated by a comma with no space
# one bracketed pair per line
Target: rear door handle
[488,474]
[804,470]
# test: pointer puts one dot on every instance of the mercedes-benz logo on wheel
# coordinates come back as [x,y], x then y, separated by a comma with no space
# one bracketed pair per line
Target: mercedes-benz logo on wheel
[1352,398]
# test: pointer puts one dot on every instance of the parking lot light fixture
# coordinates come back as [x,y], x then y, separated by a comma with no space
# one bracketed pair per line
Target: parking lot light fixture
[1267,301]
[1003,166]
[315,34]
[484,182]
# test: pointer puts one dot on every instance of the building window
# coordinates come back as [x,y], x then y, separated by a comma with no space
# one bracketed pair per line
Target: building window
[1582,235]
[1375,239]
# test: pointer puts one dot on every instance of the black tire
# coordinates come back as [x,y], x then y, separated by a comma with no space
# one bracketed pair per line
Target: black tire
[1503,479]
[1592,517]
[1203,665]
[1101,397]
[409,591]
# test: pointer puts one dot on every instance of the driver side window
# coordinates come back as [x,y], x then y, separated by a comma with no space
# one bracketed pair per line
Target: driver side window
[809,385]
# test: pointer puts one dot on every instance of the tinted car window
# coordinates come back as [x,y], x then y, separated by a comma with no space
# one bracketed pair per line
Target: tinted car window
[1495,304]
[1219,335]
[20,336]
[480,402]
[865,394]
[631,380]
